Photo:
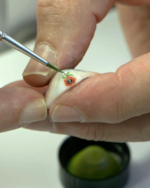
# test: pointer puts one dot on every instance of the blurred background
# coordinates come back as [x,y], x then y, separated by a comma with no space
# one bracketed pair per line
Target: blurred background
[18,19]
[29,158]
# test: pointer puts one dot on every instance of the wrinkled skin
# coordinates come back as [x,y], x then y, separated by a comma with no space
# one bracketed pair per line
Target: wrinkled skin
[116,106]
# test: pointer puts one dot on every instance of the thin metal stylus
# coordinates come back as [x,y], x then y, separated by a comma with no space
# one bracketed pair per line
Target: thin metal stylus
[14,44]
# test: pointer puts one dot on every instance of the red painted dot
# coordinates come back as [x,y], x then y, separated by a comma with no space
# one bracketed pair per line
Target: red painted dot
[69,81]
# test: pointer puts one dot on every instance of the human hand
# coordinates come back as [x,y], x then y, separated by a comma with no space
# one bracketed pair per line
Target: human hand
[116,105]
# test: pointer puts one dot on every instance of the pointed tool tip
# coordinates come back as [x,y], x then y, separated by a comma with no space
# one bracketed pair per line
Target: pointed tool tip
[53,67]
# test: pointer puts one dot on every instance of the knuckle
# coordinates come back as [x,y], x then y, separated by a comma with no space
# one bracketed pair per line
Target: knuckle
[88,132]
[134,79]
[101,133]
[125,109]
[135,71]
[116,112]
[94,131]
[125,74]
[121,113]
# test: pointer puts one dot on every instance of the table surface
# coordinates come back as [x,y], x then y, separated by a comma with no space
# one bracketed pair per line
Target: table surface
[28,159]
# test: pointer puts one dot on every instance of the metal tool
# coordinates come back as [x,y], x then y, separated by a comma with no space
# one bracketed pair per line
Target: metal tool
[14,44]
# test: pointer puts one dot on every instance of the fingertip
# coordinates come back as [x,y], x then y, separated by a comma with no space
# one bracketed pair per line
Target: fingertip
[36,80]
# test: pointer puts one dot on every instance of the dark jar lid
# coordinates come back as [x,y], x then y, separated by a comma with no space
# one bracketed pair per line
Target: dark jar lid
[73,145]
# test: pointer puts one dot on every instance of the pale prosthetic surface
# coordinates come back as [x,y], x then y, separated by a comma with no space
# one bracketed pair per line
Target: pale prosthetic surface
[57,86]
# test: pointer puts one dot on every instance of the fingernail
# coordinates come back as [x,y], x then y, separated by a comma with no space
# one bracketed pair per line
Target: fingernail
[48,53]
[66,114]
[33,112]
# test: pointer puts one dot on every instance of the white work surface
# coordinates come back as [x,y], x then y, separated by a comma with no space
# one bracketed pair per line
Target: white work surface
[28,159]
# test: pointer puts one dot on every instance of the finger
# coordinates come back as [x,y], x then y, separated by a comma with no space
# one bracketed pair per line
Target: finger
[64,32]
[22,83]
[108,98]
[135,129]
[20,106]
[136,27]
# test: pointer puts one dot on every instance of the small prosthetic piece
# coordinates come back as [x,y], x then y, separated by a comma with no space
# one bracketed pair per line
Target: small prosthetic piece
[60,83]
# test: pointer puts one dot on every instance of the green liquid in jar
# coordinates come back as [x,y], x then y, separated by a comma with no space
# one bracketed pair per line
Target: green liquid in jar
[94,163]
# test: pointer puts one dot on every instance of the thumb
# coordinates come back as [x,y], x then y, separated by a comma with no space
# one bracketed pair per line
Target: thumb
[108,98]
[20,106]
[64,32]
